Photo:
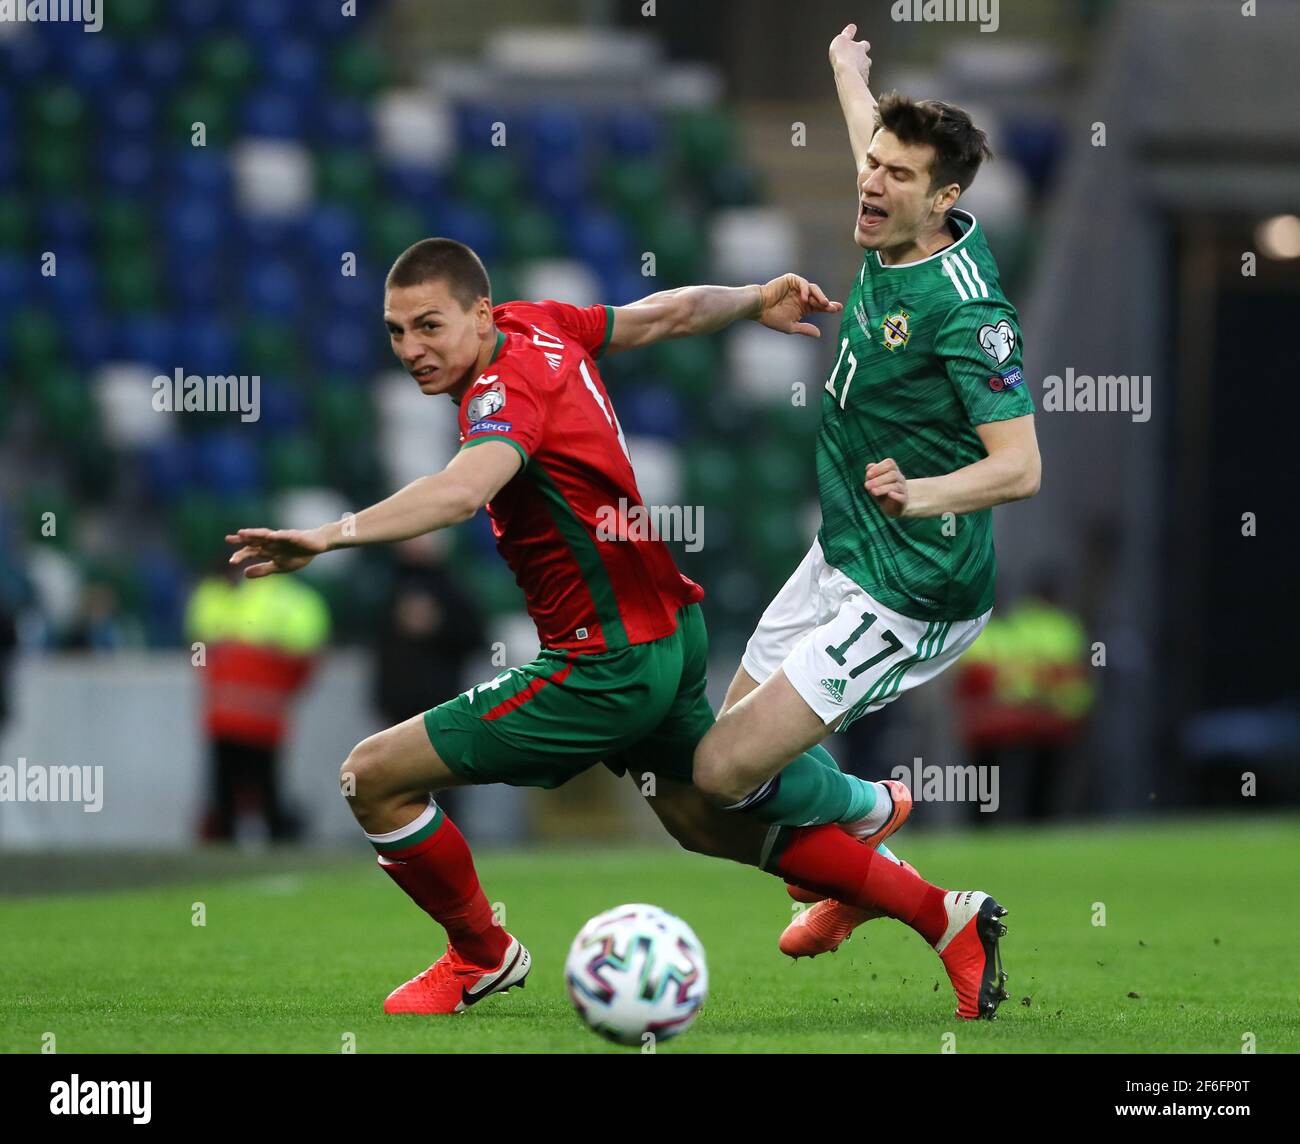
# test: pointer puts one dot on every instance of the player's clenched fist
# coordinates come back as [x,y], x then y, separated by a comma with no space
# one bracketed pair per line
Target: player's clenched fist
[785,301]
[885,482]
[845,51]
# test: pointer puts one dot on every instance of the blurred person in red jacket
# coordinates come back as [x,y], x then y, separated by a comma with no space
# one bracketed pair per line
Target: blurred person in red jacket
[261,640]
[1024,694]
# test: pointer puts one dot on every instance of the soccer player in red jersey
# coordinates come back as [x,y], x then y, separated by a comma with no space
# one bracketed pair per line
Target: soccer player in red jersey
[620,679]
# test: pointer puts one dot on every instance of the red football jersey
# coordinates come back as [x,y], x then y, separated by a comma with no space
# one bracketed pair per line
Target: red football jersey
[586,591]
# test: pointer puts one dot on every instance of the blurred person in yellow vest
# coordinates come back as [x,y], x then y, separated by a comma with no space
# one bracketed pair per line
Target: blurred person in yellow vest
[1024,693]
[261,641]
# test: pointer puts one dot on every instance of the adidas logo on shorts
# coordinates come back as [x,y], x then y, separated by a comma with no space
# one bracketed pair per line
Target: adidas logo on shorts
[835,688]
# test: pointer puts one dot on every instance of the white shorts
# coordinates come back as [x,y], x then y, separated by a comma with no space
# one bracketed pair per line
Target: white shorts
[844,652]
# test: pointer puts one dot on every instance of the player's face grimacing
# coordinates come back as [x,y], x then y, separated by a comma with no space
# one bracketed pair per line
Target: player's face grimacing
[438,341]
[895,203]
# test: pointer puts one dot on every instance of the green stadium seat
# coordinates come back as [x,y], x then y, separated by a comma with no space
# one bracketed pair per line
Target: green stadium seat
[638,190]
[347,176]
[56,165]
[703,139]
[294,462]
[689,365]
[35,344]
[16,232]
[204,104]
[268,349]
[131,19]
[131,284]
[530,234]
[122,225]
[488,182]
[678,247]
[391,230]
[359,68]
[227,63]
[57,110]
[71,420]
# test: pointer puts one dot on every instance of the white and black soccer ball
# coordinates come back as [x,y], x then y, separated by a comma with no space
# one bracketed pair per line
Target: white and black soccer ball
[637,969]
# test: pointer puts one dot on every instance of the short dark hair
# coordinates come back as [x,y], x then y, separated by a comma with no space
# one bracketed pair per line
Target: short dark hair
[445,258]
[959,146]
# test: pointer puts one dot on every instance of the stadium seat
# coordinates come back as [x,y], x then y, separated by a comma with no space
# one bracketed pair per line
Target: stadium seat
[560,278]
[124,393]
[272,177]
[414,130]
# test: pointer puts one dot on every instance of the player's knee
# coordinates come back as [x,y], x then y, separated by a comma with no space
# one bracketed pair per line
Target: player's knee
[713,774]
[361,776]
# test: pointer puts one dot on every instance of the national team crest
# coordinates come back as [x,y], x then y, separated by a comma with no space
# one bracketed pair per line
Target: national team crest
[484,404]
[897,329]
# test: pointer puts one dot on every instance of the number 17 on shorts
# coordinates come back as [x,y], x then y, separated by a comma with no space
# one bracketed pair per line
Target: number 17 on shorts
[867,655]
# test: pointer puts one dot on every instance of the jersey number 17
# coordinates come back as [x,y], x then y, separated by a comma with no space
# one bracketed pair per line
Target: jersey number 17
[843,394]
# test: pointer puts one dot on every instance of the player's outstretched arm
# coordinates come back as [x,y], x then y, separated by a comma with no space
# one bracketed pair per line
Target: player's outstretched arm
[851,64]
[473,478]
[780,304]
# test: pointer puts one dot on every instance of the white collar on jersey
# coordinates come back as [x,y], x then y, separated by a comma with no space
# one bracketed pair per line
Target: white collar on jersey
[949,249]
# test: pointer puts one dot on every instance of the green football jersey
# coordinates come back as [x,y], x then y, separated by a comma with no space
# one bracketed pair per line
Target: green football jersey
[927,351]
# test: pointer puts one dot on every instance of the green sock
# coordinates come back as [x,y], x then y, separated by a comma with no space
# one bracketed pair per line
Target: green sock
[811,791]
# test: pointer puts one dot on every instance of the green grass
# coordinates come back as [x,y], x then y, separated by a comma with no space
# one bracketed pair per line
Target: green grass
[1200,924]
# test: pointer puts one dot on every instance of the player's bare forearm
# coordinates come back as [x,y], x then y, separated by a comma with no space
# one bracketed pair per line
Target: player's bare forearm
[780,304]
[426,504]
[1002,477]
[851,65]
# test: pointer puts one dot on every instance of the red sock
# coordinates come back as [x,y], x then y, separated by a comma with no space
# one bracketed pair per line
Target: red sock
[436,870]
[826,859]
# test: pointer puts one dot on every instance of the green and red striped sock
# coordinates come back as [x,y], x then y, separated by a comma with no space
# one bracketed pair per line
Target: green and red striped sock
[430,859]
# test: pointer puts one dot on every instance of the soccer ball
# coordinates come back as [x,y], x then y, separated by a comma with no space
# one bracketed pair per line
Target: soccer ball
[637,970]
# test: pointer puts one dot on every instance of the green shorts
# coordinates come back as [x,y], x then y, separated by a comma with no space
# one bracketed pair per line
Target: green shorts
[641,708]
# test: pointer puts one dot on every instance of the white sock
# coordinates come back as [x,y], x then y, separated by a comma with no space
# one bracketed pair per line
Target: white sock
[878,815]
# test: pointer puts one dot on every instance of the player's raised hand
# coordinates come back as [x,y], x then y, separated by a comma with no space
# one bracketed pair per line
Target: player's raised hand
[885,482]
[845,51]
[279,549]
[788,300]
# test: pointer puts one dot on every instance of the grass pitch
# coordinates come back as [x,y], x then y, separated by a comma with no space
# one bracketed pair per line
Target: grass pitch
[1198,949]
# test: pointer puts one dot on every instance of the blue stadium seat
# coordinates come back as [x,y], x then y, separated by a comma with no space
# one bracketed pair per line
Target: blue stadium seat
[167,467]
[201,172]
[596,236]
[420,186]
[73,286]
[130,111]
[632,133]
[28,59]
[562,187]
[93,62]
[347,348]
[341,121]
[149,338]
[207,345]
[228,462]
[15,284]
[274,289]
[467,225]
[63,223]
[556,135]
[328,231]
[262,18]
[89,339]
[196,18]
[128,166]
[159,62]
[474,126]
[274,113]
[356,296]
[651,410]
[283,408]
[295,63]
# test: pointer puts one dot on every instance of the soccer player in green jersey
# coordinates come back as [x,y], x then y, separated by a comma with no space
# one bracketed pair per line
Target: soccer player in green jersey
[926,425]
